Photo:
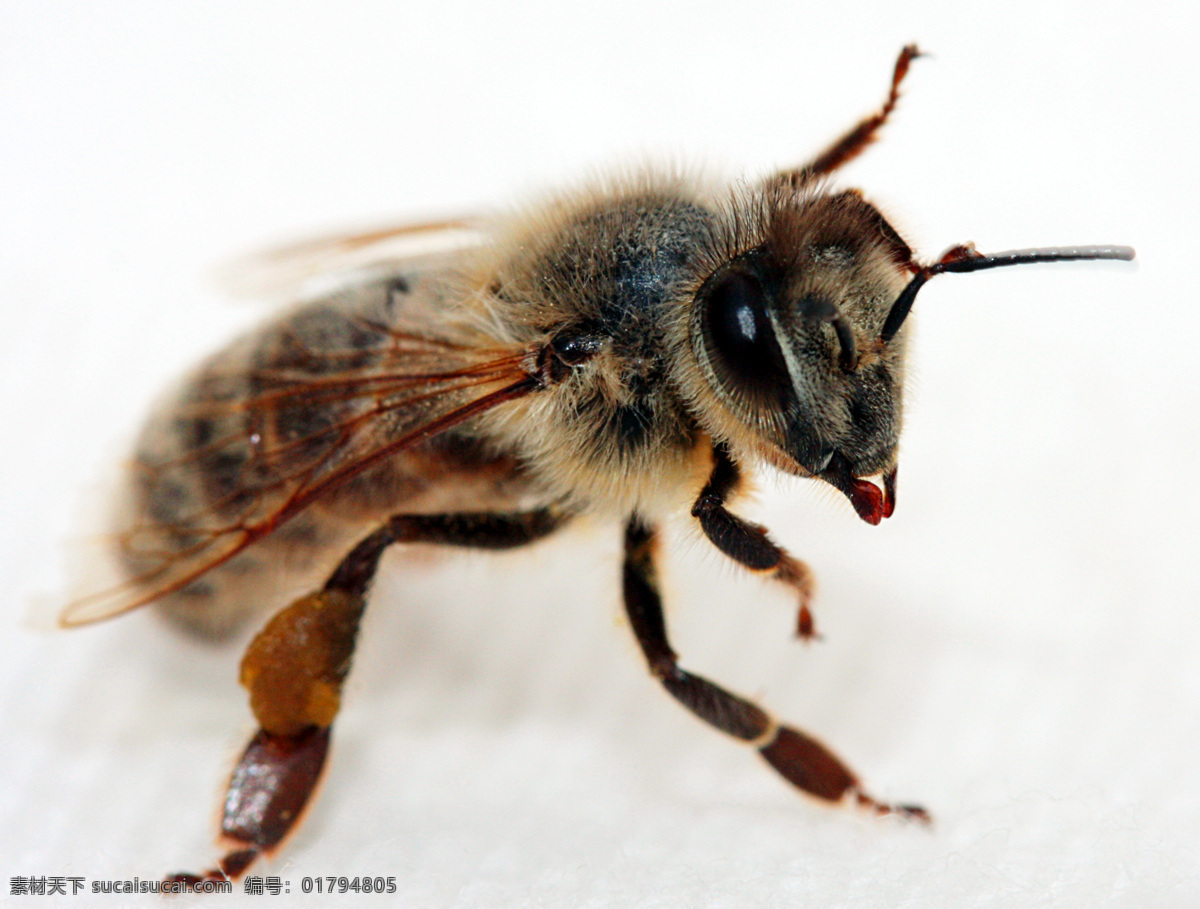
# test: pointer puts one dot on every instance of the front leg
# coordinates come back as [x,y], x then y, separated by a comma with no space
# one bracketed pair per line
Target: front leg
[800,759]
[294,670]
[747,543]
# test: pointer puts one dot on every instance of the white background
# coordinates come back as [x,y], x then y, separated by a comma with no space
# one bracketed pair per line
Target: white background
[1016,648]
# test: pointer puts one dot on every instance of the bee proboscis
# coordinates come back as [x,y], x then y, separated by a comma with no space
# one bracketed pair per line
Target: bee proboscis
[633,349]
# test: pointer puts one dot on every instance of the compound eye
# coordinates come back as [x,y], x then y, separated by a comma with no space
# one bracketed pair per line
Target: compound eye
[741,338]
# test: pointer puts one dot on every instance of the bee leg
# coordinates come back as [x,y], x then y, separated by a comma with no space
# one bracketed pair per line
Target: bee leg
[294,670]
[747,543]
[801,760]
[852,143]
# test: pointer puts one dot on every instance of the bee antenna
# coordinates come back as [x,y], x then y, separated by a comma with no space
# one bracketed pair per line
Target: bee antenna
[966,258]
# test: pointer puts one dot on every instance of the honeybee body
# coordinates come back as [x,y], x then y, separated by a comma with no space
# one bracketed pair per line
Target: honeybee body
[629,350]
[610,273]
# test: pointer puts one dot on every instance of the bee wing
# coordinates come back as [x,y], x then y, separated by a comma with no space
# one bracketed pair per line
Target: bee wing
[421,387]
[329,263]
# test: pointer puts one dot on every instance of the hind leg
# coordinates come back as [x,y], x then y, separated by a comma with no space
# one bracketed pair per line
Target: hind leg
[294,670]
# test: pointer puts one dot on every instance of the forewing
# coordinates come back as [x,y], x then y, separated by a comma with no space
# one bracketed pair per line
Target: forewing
[304,431]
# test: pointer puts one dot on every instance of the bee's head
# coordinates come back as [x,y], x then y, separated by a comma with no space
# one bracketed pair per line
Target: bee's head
[798,333]
[788,337]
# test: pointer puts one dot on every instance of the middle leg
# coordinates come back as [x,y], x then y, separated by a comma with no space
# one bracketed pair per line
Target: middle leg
[800,759]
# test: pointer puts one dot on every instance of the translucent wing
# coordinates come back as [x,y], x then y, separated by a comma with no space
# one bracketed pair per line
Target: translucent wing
[321,398]
[325,264]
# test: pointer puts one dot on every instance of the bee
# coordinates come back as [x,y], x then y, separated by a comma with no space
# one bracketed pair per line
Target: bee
[631,350]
